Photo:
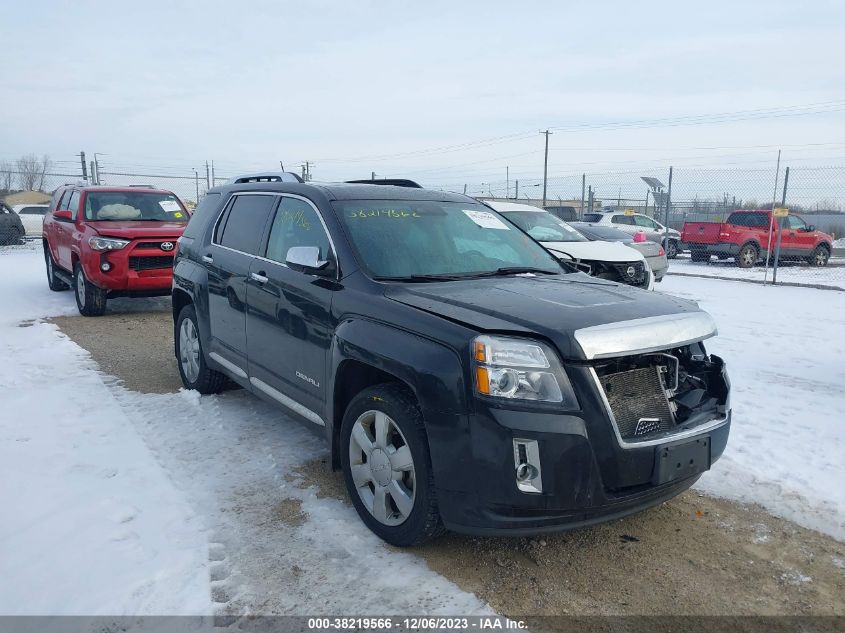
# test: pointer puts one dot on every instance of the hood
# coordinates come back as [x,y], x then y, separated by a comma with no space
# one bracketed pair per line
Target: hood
[556,308]
[132,229]
[596,251]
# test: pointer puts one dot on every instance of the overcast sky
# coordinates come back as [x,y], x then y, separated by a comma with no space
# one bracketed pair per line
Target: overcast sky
[369,86]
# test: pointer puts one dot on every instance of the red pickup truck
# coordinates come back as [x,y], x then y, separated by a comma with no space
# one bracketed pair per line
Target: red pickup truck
[111,241]
[745,237]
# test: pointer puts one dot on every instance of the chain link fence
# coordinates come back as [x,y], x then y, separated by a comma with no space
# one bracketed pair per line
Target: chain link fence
[814,194]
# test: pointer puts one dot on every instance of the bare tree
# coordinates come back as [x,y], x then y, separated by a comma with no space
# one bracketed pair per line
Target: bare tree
[7,171]
[32,171]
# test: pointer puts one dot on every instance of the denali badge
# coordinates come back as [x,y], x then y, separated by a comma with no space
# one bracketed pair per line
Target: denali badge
[299,374]
[167,246]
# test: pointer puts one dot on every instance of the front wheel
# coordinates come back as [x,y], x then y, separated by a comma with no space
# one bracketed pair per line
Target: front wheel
[194,371]
[820,256]
[387,466]
[672,249]
[90,299]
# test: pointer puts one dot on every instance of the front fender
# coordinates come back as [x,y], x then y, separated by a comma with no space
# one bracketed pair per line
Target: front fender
[433,372]
[190,278]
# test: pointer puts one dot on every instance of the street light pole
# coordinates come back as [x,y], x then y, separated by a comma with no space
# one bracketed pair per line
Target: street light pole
[545,166]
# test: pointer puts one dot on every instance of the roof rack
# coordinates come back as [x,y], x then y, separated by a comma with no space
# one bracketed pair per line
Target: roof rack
[143,186]
[396,182]
[267,176]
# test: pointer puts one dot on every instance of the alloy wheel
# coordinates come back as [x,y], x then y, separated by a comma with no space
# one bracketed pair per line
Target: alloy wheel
[80,287]
[382,467]
[821,257]
[189,350]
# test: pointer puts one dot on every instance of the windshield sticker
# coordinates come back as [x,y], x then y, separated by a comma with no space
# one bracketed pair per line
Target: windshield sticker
[178,214]
[384,213]
[170,205]
[486,220]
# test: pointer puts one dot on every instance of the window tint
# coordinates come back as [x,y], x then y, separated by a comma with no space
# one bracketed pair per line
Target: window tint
[756,220]
[33,211]
[641,220]
[201,214]
[73,204]
[244,223]
[296,224]
[592,217]
[622,219]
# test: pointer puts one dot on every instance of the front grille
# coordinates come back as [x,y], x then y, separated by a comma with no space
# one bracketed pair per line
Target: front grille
[150,263]
[155,245]
[633,273]
[638,402]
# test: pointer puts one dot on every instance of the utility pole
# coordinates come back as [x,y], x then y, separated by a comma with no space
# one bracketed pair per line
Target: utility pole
[93,178]
[508,181]
[545,166]
[97,167]
[772,221]
[583,191]
[213,180]
[207,177]
[780,227]
[84,168]
[516,195]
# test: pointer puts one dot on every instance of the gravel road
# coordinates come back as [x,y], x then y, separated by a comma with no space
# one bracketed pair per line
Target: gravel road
[692,555]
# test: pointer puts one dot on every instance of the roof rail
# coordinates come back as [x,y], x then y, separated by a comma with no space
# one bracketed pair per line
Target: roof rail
[143,186]
[396,182]
[267,176]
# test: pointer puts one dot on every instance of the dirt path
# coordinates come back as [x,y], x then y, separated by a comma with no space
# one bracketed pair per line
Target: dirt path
[692,555]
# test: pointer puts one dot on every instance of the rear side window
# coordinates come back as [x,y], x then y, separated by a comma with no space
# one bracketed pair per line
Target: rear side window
[756,220]
[622,219]
[33,211]
[592,217]
[243,224]
[201,215]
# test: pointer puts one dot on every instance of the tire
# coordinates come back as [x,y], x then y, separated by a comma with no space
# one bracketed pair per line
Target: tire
[747,256]
[90,299]
[55,284]
[193,368]
[672,249]
[699,256]
[394,468]
[820,256]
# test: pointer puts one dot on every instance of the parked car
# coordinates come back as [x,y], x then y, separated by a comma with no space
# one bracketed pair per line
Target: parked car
[607,260]
[111,241]
[11,228]
[745,237]
[653,252]
[634,222]
[32,217]
[462,376]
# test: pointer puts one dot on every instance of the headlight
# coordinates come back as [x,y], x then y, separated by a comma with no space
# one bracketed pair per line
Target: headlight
[520,369]
[107,243]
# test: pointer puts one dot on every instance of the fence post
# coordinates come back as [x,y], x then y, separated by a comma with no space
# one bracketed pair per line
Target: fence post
[780,227]
[668,206]
[772,220]
[583,184]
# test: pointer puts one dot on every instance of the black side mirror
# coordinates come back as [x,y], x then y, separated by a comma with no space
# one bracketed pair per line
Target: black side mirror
[810,228]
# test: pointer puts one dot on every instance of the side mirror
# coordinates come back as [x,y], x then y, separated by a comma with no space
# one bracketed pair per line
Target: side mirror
[811,228]
[307,259]
[63,214]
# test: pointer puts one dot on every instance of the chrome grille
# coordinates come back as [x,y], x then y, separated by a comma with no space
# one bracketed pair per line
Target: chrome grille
[638,402]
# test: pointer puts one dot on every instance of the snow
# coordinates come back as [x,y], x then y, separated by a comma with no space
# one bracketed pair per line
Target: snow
[832,275]
[840,243]
[118,503]
[784,348]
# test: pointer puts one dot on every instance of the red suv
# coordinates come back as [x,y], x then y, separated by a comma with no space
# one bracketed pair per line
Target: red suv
[111,241]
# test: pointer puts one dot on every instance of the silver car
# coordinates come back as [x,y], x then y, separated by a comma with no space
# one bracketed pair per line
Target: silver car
[653,252]
[633,223]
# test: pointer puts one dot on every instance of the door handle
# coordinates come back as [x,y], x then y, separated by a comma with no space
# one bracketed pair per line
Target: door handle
[260,277]
[208,259]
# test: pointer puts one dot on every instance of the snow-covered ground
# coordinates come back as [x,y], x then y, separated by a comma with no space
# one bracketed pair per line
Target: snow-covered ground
[122,503]
[785,349]
[116,502]
[832,275]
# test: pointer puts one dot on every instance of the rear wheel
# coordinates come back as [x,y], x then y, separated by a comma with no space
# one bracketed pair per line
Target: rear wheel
[747,256]
[90,299]
[387,466]
[820,256]
[195,372]
[53,281]
[699,256]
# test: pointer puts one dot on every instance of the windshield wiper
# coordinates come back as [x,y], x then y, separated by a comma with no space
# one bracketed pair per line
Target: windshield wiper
[421,278]
[514,270]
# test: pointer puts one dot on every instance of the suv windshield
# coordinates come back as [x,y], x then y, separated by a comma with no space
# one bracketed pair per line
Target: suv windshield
[544,227]
[414,238]
[134,205]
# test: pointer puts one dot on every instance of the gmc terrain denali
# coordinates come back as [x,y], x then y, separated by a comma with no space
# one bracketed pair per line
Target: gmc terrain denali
[463,377]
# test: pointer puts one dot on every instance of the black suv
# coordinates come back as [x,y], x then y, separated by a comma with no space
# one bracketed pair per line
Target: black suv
[463,378]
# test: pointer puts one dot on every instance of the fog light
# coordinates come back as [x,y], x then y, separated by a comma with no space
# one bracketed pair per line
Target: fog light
[526,457]
[105,267]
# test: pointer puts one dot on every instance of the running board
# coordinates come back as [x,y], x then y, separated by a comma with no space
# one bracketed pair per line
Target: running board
[65,277]
[290,403]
